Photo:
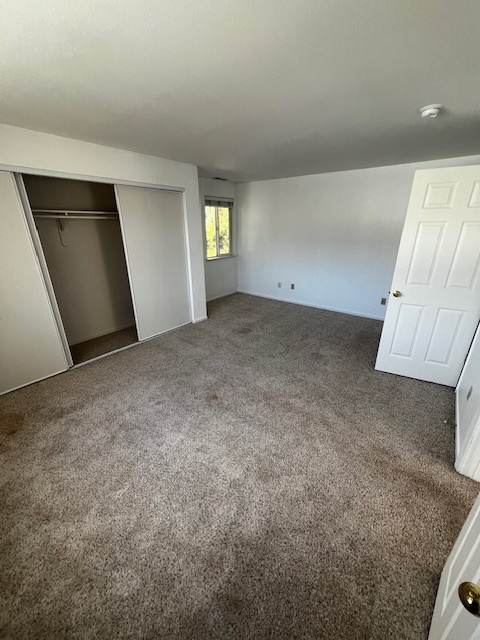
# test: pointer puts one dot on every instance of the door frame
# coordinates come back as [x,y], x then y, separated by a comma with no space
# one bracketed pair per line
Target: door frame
[467,459]
[467,462]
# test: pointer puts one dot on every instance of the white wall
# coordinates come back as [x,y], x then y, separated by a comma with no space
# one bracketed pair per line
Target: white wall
[41,153]
[335,236]
[89,275]
[221,274]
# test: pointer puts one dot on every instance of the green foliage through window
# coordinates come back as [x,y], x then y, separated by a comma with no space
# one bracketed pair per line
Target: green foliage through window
[218,226]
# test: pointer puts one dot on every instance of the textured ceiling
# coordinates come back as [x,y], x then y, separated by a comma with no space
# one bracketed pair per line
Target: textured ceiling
[248,89]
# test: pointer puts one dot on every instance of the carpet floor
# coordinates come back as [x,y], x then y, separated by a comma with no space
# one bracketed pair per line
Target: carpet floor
[249,477]
[84,351]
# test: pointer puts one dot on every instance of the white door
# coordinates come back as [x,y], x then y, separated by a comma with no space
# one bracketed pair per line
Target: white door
[152,224]
[451,620]
[429,327]
[30,343]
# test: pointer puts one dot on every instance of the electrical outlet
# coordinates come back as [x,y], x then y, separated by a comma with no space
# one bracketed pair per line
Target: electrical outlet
[292,286]
[383,301]
[279,285]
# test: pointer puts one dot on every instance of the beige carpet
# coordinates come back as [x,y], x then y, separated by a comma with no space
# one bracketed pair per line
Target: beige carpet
[84,351]
[247,477]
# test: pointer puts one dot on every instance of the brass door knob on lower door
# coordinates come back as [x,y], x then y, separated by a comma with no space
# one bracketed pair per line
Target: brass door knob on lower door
[470,596]
[396,294]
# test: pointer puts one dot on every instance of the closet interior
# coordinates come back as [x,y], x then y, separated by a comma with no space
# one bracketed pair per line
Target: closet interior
[79,230]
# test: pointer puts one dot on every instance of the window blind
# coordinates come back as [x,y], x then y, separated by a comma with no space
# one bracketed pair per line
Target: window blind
[210,202]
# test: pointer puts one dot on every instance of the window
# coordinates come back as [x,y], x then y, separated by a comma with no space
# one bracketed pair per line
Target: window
[218,228]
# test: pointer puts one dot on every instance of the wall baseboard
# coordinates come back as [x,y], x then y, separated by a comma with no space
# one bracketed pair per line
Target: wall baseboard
[314,306]
[197,320]
[102,333]
[223,295]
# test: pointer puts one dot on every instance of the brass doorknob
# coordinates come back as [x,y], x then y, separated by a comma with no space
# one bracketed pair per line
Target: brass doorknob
[470,596]
[396,294]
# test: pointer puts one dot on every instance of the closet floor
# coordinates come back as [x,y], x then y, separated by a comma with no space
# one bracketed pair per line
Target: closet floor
[84,351]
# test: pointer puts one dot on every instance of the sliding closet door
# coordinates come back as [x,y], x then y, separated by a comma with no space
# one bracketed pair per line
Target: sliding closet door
[30,344]
[154,237]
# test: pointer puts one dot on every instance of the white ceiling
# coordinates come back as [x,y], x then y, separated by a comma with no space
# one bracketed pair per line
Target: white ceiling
[248,89]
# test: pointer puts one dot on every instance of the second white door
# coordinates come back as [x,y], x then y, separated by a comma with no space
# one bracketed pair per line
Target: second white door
[451,620]
[154,236]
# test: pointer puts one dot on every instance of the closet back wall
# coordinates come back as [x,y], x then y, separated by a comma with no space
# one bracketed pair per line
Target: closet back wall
[86,260]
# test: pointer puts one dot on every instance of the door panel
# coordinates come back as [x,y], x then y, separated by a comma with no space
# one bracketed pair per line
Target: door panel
[444,333]
[429,327]
[451,621]
[475,197]
[153,231]
[405,336]
[42,263]
[466,259]
[439,195]
[424,253]
[30,344]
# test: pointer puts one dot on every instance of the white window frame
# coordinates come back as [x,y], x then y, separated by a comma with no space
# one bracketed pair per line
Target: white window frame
[210,201]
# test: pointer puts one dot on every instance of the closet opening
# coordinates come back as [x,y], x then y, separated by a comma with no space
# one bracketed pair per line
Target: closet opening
[79,230]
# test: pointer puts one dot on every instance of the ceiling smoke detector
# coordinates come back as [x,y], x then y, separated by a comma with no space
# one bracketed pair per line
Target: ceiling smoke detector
[431,110]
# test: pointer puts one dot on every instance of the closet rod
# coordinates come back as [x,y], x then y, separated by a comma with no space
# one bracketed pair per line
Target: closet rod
[75,211]
[69,216]
[65,214]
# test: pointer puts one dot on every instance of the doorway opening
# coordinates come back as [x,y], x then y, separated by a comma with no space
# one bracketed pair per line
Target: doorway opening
[79,231]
